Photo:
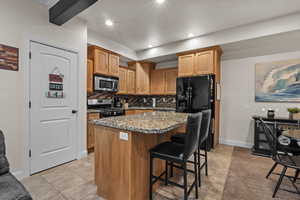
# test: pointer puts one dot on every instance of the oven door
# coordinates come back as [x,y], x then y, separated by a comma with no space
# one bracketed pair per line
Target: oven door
[105,84]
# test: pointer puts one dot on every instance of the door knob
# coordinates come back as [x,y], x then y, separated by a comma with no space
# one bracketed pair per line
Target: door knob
[74,111]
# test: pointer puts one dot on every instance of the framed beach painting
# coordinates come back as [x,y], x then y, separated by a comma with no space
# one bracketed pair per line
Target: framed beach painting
[278,81]
[9,58]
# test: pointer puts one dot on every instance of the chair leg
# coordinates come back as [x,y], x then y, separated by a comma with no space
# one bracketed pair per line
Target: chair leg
[185,181]
[166,177]
[196,174]
[296,175]
[150,183]
[279,181]
[172,170]
[206,160]
[271,170]
[199,167]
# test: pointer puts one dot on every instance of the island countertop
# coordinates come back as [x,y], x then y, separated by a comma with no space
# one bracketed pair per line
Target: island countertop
[147,123]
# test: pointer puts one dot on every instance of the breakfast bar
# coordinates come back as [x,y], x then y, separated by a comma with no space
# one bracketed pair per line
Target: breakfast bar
[122,152]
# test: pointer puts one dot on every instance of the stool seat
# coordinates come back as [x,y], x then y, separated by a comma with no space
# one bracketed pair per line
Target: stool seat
[179,138]
[168,151]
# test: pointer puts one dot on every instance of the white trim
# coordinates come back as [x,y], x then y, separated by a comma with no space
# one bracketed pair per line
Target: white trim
[83,154]
[19,174]
[26,64]
[236,143]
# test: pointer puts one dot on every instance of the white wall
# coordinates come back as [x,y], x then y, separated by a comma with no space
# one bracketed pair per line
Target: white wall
[237,102]
[21,21]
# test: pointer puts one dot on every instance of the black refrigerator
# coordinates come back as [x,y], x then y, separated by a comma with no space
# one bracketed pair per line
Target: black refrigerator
[194,94]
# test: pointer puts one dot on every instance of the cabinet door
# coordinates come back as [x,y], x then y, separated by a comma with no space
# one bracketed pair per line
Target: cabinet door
[114,62]
[90,75]
[131,81]
[157,82]
[101,62]
[171,76]
[90,131]
[122,80]
[204,63]
[186,65]
[142,79]
[129,112]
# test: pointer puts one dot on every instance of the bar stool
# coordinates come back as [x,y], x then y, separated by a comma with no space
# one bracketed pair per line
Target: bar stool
[178,153]
[203,140]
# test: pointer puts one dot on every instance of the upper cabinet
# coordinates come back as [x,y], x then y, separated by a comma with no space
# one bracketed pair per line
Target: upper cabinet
[199,62]
[126,81]
[142,76]
[114,63]
[90,75]
[170,85]
[105,62]
[122,80]
[158,79]
[163,81]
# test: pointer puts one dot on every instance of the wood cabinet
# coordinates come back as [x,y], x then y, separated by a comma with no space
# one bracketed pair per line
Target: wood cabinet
[122,80]
[170,85]
[131,81]
[135,112]
[198,62]
[126,81]
[142,76]
[158,81]
[114,62]
[90,76]
[163,81]
[105,62]
[186,65]
[90,131]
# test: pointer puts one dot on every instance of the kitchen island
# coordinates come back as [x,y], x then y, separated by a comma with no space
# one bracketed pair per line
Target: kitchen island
[122,152]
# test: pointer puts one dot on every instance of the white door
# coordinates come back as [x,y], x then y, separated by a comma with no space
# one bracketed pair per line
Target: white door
[53,96]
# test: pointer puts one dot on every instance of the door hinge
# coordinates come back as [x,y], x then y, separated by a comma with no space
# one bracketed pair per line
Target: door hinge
[29,104]
[30,153]
[29,55]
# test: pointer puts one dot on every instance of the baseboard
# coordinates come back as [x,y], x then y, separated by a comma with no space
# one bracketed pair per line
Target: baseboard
[236,143]
[19,174]
[83,154]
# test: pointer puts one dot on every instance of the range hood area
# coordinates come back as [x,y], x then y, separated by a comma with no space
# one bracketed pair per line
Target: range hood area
[64,10]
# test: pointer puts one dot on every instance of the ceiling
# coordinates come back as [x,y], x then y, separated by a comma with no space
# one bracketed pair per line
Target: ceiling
[139,23]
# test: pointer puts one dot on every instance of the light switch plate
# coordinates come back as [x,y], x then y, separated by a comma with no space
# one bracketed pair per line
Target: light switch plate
[123,136]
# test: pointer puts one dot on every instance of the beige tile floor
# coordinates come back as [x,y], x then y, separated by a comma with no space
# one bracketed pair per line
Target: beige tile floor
[74,180]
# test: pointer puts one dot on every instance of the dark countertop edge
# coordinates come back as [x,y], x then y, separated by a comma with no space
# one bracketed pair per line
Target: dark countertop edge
[143,131]
[137,108]
[282,119]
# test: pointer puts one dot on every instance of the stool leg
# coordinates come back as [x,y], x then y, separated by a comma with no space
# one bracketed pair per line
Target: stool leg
[150,183]
[166,177]
[185,182]
[296,175]
[279,181]
[196,174]
[172,170]
[271,170]
[199,167]
[206,163]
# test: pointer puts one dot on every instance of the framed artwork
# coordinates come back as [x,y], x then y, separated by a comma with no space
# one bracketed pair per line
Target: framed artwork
[278,81]
[9,58]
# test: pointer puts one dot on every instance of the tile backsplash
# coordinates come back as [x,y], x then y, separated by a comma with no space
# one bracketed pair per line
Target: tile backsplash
[141,100]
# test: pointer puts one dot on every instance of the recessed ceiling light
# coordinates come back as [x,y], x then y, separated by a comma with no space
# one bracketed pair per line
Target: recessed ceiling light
[160,1]
[108,22]
[191,35]
[150,46]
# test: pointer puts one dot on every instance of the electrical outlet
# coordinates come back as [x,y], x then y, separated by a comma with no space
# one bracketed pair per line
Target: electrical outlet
[123,136]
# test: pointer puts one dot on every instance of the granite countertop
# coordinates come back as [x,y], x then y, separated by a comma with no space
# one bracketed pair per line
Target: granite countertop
[148,123]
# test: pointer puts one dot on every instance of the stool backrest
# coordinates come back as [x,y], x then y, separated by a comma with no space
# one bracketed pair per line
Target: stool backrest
[205,126]
[193,134]
[271,138]
[4,166]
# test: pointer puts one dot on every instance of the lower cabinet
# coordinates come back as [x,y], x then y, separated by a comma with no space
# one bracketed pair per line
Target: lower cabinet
[135,112]
[90,131]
